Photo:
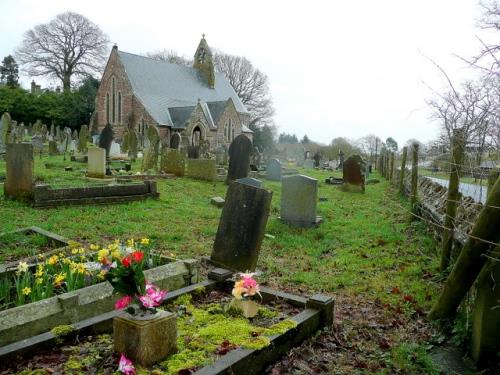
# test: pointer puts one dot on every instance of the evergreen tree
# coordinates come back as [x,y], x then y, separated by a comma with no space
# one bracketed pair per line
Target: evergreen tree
[9,71]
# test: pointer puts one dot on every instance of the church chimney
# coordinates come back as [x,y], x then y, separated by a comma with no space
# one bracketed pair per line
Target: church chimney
[203,62]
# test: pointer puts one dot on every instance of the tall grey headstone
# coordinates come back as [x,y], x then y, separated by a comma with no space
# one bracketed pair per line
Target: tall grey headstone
[96,163]
[239,158]
[299,195]
[274,170]
[241,227]
[19,171]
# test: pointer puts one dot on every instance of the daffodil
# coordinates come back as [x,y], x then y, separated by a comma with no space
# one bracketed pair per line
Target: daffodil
[145,241]
[94,247]
[26,291]
[58,279]
[130,242]
[53,260]
[102,254]
[38,281]
[39,271]
[22,267]
[116,254]
[74,251]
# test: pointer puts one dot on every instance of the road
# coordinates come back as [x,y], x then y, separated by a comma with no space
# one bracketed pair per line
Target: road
[476,192]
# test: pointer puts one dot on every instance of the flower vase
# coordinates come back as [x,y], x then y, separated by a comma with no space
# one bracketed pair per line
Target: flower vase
[138,313]
[249,307]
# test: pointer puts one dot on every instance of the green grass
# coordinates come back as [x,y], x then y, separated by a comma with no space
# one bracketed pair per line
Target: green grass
[366,248]
[17,245]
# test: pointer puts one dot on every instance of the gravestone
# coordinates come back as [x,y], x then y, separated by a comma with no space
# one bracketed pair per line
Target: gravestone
[44,132]
[309,164]
[353,176]
[6,128]
[124,147]
[133,143]
[74,135]
[83,138]
[193,152]
[217,202]
[274,170]
[106,138]
[37,127]
[96,164]
[19,171]
[151,155]
[201,169]
[53,148]
[299,195]
[221,155]
[37,143]
[241,227]
[114,150]
[250,181]
[58,133]
[175,141]
[341,159]
[255,159]
[173,161]
[240,150]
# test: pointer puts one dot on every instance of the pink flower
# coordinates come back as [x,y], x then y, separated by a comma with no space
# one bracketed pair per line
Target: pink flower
[248,282]
[125,366]
[123,302]
[153,297]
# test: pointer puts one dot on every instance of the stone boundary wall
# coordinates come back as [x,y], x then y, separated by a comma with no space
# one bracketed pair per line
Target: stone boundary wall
[34,318]
[45,196]
[432,203]
[202,169]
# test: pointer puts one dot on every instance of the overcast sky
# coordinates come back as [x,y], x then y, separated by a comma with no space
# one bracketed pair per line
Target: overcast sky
[336,68]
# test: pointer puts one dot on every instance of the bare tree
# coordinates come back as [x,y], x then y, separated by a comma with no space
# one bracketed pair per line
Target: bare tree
[68,47]
[170,56]
[250,84]
[370,146]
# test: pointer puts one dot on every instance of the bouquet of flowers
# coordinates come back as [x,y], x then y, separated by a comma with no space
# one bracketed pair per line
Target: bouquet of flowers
[244,292]
[125,274]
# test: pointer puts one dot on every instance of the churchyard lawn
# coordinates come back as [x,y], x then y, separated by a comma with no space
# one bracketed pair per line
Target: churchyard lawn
[380,268]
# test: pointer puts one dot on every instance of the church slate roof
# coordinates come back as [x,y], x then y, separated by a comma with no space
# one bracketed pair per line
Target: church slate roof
[161,86]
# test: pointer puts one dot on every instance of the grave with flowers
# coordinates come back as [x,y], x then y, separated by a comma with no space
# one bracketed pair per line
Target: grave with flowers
[203,328]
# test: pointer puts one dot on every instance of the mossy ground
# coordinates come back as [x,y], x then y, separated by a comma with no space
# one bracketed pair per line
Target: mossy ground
[367,253]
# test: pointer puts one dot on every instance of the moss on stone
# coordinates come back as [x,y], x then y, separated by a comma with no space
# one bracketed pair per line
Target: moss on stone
[73,365]
[61,331]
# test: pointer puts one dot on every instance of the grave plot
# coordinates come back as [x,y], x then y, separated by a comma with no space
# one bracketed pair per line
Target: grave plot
[64,289]
[27,243]
[212,335]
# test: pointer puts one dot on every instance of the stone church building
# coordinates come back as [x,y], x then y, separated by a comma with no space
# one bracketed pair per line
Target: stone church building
[197,102]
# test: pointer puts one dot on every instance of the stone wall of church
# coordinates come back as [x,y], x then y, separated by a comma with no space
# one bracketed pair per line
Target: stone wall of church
[132,110]
[228,113]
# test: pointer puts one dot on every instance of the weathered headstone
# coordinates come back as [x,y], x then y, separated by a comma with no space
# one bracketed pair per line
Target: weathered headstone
[309,164]
[241,227]
[74,135]
[220,155]
[106,138]
[193,152]
[114,150]
[44,132]
[37,127]
[173,161]
[274,170]
[19,171]
[53,148]
[150,159]
[6,128]
[299,195]
[354,179]
[250,181]
[175,141]
[255,159]
[133,143]
[83,138]
[239,158]
[201,169]
[96,164]
[341,159]
[52,130]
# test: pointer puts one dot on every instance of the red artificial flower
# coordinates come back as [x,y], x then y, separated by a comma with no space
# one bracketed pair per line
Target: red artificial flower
[126,261]
[137,256]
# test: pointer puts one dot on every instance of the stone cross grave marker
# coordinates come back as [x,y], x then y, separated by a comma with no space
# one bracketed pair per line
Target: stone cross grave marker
[96,164]
[299,195]
[239,158]
[241,227]
[106,138]
[353,176]
[19,171]
[274,170]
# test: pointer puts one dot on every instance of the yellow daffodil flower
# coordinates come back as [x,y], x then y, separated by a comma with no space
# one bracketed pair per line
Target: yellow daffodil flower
[145,241]
[22,267]
[26,291]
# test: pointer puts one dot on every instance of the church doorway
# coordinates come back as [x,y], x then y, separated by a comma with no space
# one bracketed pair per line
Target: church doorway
[196,137]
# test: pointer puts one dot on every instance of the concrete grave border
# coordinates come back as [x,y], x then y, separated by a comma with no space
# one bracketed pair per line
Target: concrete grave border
[318,312]
[21,322]
[45,196]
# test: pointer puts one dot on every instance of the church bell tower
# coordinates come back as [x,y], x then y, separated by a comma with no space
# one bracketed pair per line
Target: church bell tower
[203,62]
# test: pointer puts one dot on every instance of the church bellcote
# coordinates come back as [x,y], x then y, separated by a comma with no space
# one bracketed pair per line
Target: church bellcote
[203,62]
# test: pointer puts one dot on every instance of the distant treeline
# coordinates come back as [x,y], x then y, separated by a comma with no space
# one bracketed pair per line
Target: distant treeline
[73,108]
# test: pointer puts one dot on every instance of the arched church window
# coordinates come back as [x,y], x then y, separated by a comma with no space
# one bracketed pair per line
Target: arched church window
[113,96]
[119,107]
[107,107]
